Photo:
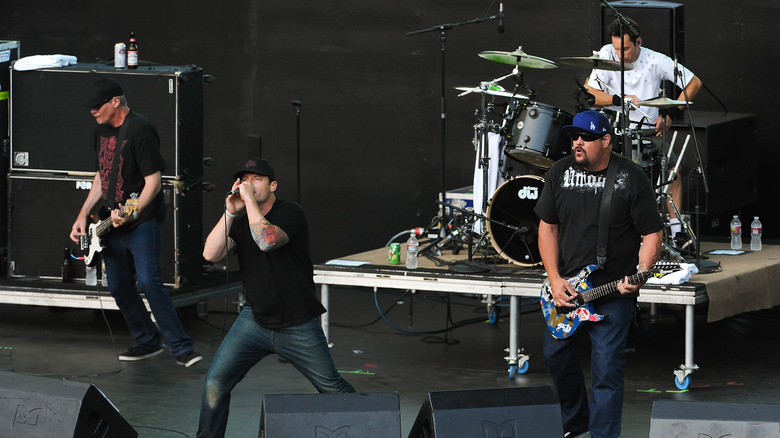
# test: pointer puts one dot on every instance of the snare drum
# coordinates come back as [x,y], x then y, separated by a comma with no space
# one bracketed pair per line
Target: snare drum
[515,230]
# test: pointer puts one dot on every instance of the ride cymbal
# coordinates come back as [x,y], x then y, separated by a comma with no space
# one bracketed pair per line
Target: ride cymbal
[518,58]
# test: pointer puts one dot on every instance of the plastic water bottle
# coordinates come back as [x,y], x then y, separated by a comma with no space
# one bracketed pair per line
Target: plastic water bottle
[736,233]
[755,234]
[91,276]
[412,246]
[103,273]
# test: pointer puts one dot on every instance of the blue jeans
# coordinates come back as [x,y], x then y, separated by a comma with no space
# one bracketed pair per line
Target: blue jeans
[246,343]
[132,260]
[603,416]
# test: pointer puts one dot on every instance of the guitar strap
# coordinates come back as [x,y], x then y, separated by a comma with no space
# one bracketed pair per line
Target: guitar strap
[120,140]
[606,201]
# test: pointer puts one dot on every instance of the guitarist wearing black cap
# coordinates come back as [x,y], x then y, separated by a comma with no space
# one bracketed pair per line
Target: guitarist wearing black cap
[128,182]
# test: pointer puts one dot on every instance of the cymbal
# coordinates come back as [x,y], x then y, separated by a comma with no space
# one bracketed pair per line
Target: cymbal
[518,58]
[662,102]
[531,157]
[493,91]
[593,61]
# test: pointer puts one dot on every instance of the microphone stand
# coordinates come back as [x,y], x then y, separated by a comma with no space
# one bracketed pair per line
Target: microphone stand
[624,24]
[297,105]
[442,29]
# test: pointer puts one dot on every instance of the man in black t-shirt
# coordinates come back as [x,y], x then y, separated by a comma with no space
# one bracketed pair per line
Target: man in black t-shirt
[568,209]
[129,165]
[271,238]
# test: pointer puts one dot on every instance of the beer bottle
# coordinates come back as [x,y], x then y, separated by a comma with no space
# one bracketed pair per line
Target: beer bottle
[132,52]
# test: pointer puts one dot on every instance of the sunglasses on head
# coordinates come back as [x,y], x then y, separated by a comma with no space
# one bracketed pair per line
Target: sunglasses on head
[586,136]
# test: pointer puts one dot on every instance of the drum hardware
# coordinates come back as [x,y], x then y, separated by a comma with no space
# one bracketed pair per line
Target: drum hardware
[593,62]
[518,58]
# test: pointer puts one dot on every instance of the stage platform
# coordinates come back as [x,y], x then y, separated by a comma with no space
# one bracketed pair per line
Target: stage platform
[742,283]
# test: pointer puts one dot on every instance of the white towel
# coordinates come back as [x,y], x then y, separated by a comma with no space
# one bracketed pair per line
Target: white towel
[35,62]
[677,277]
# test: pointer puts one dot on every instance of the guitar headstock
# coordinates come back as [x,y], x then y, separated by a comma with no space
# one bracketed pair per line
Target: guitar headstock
[130,206]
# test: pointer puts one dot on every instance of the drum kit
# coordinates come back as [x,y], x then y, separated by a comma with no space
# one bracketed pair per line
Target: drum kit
[514,152]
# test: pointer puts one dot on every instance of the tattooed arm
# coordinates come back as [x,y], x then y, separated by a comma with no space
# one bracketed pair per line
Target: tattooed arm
[268,236]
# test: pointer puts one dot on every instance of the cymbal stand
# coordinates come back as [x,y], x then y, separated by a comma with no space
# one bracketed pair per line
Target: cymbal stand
[704,266]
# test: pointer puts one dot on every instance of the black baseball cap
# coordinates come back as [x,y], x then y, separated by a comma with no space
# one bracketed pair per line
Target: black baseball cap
[101,91]
[258,166]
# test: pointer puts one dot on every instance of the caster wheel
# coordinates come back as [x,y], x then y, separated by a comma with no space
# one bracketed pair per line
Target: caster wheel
[514,370]
[493,317]
[685,383]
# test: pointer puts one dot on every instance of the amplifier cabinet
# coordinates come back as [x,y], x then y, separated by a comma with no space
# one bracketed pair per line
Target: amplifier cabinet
[171,97]
[41,211]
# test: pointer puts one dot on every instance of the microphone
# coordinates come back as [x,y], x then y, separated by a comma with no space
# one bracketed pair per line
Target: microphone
[233,192]
[501,17]
[591,99]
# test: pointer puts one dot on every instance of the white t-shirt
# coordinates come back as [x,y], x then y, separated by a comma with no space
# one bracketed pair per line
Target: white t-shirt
[643,81]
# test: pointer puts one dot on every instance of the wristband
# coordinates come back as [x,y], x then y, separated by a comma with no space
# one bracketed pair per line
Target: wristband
[675,113]
[616,100]
[230,215]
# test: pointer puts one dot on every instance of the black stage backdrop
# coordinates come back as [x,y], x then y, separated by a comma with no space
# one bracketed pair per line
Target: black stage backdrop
[370,95]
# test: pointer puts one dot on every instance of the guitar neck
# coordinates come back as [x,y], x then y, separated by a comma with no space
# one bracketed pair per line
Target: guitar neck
[606,289]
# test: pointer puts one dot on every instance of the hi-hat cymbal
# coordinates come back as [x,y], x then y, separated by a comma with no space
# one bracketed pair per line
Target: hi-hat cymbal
[662,102]
[493,91]
[593,61]
[518,58]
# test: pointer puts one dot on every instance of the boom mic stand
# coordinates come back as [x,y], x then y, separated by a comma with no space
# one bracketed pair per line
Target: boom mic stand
[442,29]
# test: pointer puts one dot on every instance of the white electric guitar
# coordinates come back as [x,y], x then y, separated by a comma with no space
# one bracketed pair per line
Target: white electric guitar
[91,242]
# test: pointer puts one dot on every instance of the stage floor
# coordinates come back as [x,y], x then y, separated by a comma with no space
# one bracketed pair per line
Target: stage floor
[161,399]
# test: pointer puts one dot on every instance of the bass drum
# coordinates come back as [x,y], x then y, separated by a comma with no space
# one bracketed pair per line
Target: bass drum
[513,204]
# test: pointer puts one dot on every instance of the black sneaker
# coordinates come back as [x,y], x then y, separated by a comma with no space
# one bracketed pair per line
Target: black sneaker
[139,353]
[189,358]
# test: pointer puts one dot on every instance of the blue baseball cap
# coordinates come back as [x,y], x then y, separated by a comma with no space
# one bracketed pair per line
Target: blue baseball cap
[594,122]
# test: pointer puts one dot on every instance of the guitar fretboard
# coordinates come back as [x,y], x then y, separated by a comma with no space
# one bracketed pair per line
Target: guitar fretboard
[606,289]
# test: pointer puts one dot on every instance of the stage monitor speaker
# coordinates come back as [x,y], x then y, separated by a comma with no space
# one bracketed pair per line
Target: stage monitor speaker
[509,412]
[42,209]
[41,407]
[662,24]
[9,52]
[728,143]
[675,419]
[331,415]
[170,96]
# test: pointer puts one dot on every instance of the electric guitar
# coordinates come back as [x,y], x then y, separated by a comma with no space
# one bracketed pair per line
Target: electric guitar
[91,242]
[564,321]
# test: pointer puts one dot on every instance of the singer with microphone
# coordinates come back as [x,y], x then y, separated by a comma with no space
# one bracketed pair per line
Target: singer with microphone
[650,69]
[270,236]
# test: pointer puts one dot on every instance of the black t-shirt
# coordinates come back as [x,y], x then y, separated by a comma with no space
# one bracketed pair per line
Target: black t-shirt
[571,198]
[140,157]
[279,284]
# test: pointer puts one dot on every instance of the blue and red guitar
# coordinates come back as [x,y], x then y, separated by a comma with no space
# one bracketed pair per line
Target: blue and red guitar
[564,321]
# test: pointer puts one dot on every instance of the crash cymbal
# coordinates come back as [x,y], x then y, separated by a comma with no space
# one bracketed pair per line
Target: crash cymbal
[493,91]
[518,58]
[662,102]
[593,61]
